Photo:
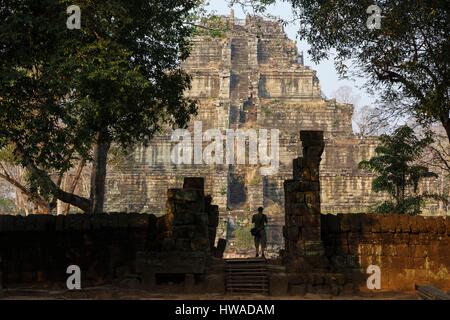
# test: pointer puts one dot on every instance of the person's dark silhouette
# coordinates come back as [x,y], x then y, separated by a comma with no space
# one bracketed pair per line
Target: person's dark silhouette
[260,220]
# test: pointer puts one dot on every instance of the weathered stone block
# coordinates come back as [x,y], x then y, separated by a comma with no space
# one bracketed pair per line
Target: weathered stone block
[402,238]
[388,223]
[137,220]
[418,224]
[376,225]
[387,237]
[312,200]
[299,210]
[194,183]
[440,225]
[295,220]
[200,244]
[366,224]
[278,284]
[184,232]
[184,218]
[298,290]
[215,283]
[293,233]
[310,233]
[311,220]
[431,225]
[419,251]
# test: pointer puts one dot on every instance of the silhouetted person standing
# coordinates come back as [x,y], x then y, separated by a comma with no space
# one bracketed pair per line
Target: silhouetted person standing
[259,231]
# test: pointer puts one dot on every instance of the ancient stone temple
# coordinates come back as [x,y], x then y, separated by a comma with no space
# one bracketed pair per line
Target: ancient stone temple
[251,78]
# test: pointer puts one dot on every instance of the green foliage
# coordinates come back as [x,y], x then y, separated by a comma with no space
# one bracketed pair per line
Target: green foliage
[397,171]
[243,239]
[256,179]
[117,79]
[7,154]
[7,206]
[213,26]
[267,110]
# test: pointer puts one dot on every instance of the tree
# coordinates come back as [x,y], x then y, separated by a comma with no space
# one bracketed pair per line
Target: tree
[437,158]
[64,93]
[406,61]
[344,94]
[371,121]
[398,173]
[26,193]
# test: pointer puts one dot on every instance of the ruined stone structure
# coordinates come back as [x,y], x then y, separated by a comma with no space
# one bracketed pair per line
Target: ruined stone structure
[112,247]
[410,250]
[250,77]
[304,249]
[334,251]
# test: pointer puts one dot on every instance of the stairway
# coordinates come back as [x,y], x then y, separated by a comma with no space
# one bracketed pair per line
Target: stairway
[244,276]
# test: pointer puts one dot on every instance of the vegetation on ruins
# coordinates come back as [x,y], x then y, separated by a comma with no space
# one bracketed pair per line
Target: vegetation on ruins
[67,95]
[406,60]
[213,26]
[398,172]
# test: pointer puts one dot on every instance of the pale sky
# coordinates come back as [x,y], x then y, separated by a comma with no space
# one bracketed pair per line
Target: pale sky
[328,76]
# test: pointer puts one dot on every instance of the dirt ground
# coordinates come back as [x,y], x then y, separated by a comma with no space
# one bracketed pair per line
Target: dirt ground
[114,293]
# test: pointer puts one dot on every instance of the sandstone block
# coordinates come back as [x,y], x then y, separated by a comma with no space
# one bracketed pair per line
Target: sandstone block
[404,224]
[215,283]
[278,284]
[440,225]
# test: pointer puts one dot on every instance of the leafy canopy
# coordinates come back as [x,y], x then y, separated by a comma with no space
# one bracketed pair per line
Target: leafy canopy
[117,79]
[397,171]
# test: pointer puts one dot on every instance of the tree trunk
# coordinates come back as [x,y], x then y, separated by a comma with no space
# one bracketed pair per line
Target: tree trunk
[77,201]
[74,184]
[43,179]
[98,174]
[446,125]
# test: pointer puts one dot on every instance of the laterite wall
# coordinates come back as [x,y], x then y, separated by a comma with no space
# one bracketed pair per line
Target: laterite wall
[409,250]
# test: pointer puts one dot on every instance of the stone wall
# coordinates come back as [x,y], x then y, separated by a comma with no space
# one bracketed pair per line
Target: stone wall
[409,250]
[39,248]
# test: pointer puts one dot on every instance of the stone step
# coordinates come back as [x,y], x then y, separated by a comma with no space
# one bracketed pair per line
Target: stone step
[247,276]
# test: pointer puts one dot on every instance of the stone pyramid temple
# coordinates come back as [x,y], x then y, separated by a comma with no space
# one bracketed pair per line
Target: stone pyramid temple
[252,76]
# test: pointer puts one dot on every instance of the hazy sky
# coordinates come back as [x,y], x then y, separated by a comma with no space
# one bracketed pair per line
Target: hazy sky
[329,79]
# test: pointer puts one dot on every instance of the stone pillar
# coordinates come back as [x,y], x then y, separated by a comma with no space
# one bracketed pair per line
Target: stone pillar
[193,218]
[303,246]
